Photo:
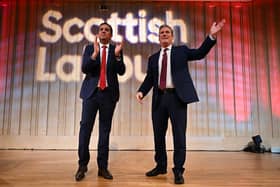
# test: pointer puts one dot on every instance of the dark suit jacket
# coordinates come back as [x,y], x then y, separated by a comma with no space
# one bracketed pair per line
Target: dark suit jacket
[92,70]
[181,77]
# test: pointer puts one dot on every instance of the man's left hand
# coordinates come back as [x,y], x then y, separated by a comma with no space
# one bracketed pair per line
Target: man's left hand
[216,27]
[118,48]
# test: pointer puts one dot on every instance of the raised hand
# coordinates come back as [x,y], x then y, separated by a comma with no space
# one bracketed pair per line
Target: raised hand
[216,27]
[118,48]
[96,48]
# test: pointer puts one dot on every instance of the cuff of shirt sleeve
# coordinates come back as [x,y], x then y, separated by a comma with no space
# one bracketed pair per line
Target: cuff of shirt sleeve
[212,37]
[118,58]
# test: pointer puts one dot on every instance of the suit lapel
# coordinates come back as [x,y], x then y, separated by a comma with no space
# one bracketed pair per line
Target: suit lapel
[157,60]
[157,64]
[110,55]
[172,59]
[98,56]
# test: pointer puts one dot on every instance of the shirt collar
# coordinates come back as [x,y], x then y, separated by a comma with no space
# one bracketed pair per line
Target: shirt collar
[107,45]
[168,47]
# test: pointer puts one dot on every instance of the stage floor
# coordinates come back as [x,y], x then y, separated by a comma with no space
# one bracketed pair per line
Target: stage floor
[51,168]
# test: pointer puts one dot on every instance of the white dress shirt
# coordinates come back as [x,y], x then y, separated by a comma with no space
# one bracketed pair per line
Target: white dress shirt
[169,82]
[100,53]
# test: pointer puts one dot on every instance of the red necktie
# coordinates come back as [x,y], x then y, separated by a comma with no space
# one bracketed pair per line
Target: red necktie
[103,69]
[162,82]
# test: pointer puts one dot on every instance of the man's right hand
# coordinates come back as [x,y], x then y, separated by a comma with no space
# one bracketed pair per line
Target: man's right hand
[96,48]
[139,97]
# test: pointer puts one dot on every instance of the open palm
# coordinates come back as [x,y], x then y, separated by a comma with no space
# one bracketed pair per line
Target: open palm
[216,27]
[118,48]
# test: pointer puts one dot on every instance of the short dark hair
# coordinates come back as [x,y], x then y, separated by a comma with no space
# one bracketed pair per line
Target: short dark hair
[165,25]
[105,23]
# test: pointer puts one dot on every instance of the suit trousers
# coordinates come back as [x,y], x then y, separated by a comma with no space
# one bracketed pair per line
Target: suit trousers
[100,101]
[170,106]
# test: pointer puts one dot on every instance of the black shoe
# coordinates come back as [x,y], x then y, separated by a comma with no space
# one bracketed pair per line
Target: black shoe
[156,171]
[179,179]
[105,173]
[178,175]
[81,173]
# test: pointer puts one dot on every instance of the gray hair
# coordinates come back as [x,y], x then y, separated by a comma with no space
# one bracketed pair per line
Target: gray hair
[165,25]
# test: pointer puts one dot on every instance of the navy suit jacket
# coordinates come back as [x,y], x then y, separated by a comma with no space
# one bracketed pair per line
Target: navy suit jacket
[92,70]
[180,74]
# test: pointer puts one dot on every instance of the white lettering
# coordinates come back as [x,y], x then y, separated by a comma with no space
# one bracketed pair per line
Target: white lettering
[115,21]
[142,29]
[177,22]
[153,26]
[87,30]
[52,26]
[41,75]
[130,22]
[147,30]
[67,27]
[75,73]
[137,30]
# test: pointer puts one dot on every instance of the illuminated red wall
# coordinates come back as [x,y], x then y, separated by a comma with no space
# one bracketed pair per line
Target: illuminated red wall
[238,82]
